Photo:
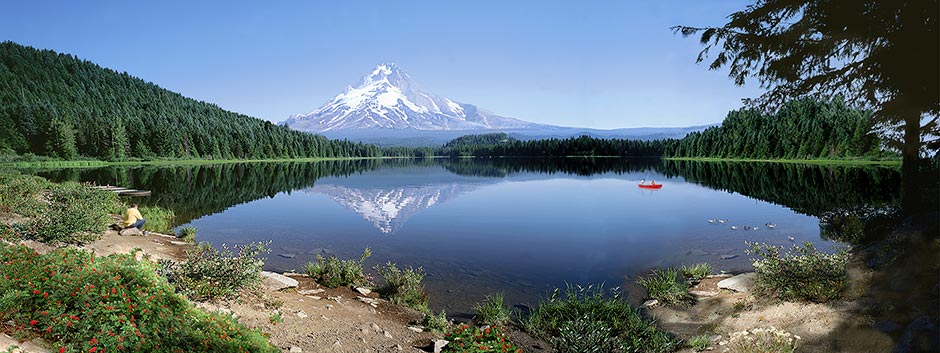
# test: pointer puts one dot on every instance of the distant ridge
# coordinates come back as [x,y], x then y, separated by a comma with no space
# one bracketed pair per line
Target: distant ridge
[387,107]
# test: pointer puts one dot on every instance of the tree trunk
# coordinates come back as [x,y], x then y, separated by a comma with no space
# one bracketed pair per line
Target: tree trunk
[910,161]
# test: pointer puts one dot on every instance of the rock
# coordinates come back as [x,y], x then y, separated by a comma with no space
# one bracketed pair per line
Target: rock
[276,281]
[387,334]
[337,344]
[398,347]
[703,293]
[295,349]
[728,257]
[739,283]
[720,275]
[363,291]
[375,327]
[650,303]
[314,297]
[439,345]
[130,231]
[287,256]
[310,291]
[174,242]
[329,307]
[301,314]
[415,329]
[920,336]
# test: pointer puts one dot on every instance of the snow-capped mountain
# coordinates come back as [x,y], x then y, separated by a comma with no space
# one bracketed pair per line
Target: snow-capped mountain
[388,98]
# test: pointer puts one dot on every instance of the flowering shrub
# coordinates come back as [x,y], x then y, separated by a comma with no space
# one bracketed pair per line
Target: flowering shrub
[210,273]
[469,339]
[803,274]
[83,303]
[333,272]
[760,340]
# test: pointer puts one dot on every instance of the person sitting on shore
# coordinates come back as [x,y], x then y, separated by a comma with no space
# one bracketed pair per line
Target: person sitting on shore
[133,218]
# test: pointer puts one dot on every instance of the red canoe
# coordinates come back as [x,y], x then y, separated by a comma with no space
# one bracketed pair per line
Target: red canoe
[654,186]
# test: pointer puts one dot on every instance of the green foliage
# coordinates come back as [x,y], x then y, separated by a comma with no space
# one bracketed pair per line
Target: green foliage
[275,317]
[187,234]
[469,339]
[60,106]
[761,340]
[804,274]
[498,145]
[159,219]
[699,343]
[210,273]
[584,308]
[403,286]
[584,335]
[804,128]
[666,286]
[697,272]
[491,311]
[333,272]
[436,323]
[21,194]
[79,302]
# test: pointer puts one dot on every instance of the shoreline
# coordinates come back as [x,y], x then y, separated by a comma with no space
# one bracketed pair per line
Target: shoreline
[822,162]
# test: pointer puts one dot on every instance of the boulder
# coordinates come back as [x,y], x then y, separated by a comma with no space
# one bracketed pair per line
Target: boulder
[363,290]
[739,283]
[276,281]
[131,231]
[295,349]
[439,345]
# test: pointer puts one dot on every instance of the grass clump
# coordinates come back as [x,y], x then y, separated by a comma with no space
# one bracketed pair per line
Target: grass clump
[803,274]
[333,272]
[697,272]
[466,338]
[760,340]
[436,323]
[187,234]
[585,317]
[403,286]
[275,317]
[82,303]
[666,286]
[699,343]
[491,311]
[210,273]
[159,219]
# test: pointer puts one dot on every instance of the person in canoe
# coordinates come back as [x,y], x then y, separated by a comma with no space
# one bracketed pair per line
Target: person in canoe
[652,182]
[642,181]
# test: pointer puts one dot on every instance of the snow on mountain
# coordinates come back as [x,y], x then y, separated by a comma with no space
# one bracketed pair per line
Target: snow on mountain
[388,98]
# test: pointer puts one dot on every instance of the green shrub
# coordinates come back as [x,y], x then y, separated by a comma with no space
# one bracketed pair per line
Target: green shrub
[699,343]
[82,303]
[804,274]
[585,335]
[72,213]
[666,286]
[187,234]
[403,287]
[210,273]
[333,272]
[697,272]
[436,323]
[582,308]
[20,193]
[492,311]
[465,338]
[760,340]
[159,219]
[275,317]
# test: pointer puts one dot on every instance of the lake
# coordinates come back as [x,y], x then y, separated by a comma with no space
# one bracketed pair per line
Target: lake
[517,226]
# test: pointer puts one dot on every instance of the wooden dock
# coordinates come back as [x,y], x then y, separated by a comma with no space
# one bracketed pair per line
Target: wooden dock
[122,191]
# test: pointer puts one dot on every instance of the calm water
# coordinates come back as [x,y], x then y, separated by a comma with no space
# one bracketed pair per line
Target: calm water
[521,227]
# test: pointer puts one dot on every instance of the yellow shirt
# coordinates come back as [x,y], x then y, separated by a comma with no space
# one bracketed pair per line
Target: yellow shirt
[132,215]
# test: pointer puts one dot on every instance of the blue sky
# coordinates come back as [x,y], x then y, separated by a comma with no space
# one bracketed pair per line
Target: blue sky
[600,64]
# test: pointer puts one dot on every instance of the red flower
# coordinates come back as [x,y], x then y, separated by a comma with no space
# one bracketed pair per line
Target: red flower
[35,291]
[45,295]
[93,350]
[33,322]
[62,350]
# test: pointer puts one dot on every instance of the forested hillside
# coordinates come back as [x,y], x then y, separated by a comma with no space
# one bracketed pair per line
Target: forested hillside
[60,106]
[801,129]
[494,145]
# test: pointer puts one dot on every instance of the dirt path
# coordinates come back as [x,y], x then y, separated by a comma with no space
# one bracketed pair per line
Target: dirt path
[832,327]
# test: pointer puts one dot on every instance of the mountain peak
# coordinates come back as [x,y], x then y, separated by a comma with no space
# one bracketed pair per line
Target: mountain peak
[387,98]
